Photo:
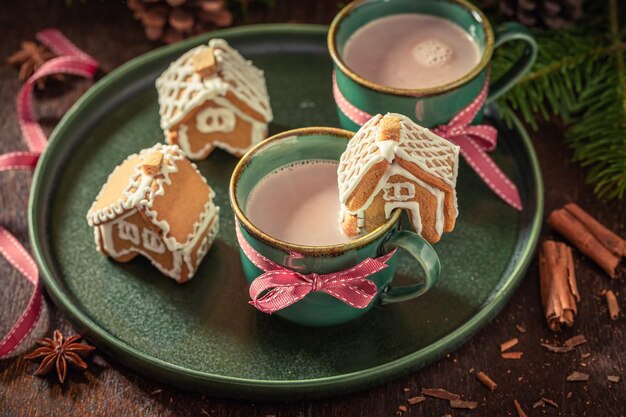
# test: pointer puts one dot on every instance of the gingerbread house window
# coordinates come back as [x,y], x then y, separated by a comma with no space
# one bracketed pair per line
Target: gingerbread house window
[215,120]
[128,231]
[399,191]
[152,241]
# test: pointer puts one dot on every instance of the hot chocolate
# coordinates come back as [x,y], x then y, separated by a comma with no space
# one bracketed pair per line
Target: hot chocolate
[411,51]
[298,203]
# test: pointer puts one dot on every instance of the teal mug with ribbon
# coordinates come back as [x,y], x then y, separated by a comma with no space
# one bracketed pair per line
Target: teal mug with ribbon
[448,109]
[320,285]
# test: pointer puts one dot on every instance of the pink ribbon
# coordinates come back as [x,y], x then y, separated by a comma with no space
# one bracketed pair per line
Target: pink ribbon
[474,141]
[279,287]
[70,60]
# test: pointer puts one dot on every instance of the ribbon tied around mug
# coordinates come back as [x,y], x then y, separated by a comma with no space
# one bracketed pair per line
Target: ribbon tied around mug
[279,287]
[474,140]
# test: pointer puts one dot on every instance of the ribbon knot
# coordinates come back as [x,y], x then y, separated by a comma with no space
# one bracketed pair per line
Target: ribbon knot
[316,283]
[279,287]
[474,140]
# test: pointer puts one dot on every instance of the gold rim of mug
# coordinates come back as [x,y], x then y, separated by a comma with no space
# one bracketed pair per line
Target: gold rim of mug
[412,92]
[281,244]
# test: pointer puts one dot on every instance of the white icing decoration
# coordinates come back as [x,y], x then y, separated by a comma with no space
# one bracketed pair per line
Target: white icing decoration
[107,218]
[395,191]
[183,141]
[128,231]
[181,89]
[258,132]
[152,242]
[431,153]
[387,149]
[214,119]
[413,207]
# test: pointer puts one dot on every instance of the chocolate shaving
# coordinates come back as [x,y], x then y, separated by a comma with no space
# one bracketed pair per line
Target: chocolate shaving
[416,400]
[511,355]
[539,403]
[486,381]
[520,328]
[578,377]
[468,405]
[440,393]
[508,344]
[402,407]
[611,302]
[612,378]
[569,395]
[519,410]
[577,340]
[550,402]
[604,247]
[557,349]
[559,291]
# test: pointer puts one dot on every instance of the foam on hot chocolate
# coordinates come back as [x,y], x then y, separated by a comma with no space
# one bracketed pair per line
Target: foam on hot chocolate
[432,53]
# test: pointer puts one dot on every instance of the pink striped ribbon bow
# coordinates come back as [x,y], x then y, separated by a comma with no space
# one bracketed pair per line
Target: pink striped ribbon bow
[279,287]
[474,140]
[69,60]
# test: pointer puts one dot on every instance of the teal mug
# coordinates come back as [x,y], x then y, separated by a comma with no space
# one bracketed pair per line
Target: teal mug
[319,308]
[432,106]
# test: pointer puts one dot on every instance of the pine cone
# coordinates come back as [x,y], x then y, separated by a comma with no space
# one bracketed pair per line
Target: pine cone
[553,14]
[170,21]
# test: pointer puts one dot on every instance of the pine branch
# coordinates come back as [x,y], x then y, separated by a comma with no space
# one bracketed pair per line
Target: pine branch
[580,77]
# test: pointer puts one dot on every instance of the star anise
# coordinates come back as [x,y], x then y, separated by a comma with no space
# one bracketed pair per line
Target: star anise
[57,352]
[29,59]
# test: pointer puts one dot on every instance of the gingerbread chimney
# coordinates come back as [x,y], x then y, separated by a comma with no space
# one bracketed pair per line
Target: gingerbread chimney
[152,163]
[204,63]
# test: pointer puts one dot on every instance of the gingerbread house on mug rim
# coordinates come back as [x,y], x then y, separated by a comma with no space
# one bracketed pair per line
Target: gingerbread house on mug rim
[213,97]
[392,162]
[157,204]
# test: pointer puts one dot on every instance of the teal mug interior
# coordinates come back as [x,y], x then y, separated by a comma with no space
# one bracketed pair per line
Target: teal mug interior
[319,308]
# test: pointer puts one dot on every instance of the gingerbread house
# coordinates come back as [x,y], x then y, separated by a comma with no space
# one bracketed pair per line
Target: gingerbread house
[390,163]
[213,97]
[156,204]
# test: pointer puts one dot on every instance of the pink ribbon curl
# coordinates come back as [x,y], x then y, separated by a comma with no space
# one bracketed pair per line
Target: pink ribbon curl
[279,287]
[474,140]
[70,60]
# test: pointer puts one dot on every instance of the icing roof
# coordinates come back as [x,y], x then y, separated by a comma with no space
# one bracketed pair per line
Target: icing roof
[157,195]
[430,152]
[181,89]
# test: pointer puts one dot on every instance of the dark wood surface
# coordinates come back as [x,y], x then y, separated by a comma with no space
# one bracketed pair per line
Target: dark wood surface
[107,31]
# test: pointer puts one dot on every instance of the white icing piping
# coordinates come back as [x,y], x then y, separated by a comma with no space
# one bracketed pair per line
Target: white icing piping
[257,134]
[413,207]
[396,169]
[171,154]
[236,74]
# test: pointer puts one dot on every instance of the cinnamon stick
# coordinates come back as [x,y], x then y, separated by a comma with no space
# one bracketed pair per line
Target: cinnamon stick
[559,292]
[585,240]
[610,240]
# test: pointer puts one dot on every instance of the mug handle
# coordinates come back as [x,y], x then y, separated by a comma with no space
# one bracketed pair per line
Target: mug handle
[510,31]
[424,254]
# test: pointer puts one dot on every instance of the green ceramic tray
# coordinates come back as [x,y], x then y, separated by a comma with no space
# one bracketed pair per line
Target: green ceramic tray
[203,335]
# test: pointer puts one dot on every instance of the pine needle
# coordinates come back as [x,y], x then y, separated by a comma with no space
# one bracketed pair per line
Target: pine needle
[580,77]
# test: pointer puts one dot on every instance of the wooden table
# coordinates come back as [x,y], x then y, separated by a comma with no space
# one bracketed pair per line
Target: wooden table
[107,31]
